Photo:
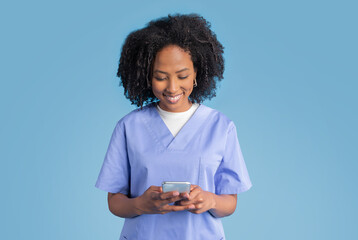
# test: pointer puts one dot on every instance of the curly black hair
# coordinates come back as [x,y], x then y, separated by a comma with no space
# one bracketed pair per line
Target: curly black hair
[192,33]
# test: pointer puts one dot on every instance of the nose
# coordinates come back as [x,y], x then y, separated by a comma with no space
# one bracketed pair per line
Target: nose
[173,85]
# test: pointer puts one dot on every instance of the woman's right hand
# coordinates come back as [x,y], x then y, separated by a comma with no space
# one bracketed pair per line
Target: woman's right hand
[155,201]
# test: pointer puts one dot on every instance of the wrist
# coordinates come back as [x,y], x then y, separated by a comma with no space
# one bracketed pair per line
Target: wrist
[213,200]
[137,206]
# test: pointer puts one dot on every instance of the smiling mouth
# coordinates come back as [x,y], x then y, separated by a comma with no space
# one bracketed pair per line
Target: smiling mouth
[173,99]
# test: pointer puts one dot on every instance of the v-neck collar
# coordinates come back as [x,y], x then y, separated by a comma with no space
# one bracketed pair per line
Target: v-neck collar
[162,134]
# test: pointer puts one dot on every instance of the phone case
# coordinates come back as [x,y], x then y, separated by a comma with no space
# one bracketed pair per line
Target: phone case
[181,187]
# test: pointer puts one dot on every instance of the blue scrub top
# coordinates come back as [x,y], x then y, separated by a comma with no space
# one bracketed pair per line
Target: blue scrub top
[143,152]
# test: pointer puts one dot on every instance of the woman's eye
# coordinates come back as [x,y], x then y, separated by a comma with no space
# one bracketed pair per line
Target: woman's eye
[159,79]
[183,77]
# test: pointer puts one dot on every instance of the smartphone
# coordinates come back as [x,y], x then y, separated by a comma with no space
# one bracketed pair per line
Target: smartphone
[181,187]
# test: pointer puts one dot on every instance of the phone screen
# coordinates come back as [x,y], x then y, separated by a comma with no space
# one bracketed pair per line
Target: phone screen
[181,187]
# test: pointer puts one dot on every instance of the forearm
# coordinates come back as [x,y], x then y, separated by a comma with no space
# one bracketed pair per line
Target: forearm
[225,205]
[123,206]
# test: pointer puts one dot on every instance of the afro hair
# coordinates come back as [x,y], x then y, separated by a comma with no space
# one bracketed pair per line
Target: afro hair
[190,32]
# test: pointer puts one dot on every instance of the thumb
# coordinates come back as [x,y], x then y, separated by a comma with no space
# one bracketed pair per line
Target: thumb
[156,188]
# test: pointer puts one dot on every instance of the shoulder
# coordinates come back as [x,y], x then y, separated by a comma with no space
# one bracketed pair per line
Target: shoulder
[136,115]
[218,118]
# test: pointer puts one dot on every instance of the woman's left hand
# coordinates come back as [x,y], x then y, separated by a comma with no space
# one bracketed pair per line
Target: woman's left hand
[202,200]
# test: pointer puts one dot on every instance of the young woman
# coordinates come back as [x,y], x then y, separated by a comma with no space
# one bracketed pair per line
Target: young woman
[167,69]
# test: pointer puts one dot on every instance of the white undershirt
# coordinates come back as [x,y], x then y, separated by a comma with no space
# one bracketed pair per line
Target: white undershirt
[176,120]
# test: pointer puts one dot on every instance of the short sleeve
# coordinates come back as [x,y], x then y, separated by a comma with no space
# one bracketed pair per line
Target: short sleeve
[114,174]
[232,176]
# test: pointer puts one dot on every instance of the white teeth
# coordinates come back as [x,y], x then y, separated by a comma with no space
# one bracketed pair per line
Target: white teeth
[174,99]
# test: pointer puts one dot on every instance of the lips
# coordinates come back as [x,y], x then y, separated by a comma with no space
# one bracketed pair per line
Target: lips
[173,99]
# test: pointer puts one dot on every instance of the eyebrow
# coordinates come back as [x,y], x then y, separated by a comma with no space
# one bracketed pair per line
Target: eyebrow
[175,72]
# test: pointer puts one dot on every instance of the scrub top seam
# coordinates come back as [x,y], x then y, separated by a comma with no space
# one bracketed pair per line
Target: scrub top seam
[197,131]
[200,139]
[151,131]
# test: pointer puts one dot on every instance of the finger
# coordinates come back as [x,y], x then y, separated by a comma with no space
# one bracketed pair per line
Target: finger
[155,195]
[199,206]
[154,191]
[175,208]
[185,195]
[196,211]
[196,200]
[176,199]
[155,188]
[192,186]
[163,196]
[163,211]
[194,192]
[168,195]
[194,197]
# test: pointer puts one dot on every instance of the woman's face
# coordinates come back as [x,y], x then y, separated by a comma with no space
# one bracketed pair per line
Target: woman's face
[173,78]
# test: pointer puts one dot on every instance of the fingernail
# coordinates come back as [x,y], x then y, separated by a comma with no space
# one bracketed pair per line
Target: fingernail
[191,207]
[176,194]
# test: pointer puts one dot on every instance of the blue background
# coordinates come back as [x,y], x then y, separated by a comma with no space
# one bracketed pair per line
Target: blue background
[290,87]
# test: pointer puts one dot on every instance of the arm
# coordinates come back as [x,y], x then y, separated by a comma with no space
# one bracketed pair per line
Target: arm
[122,206]
[225,205]
[152,201]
